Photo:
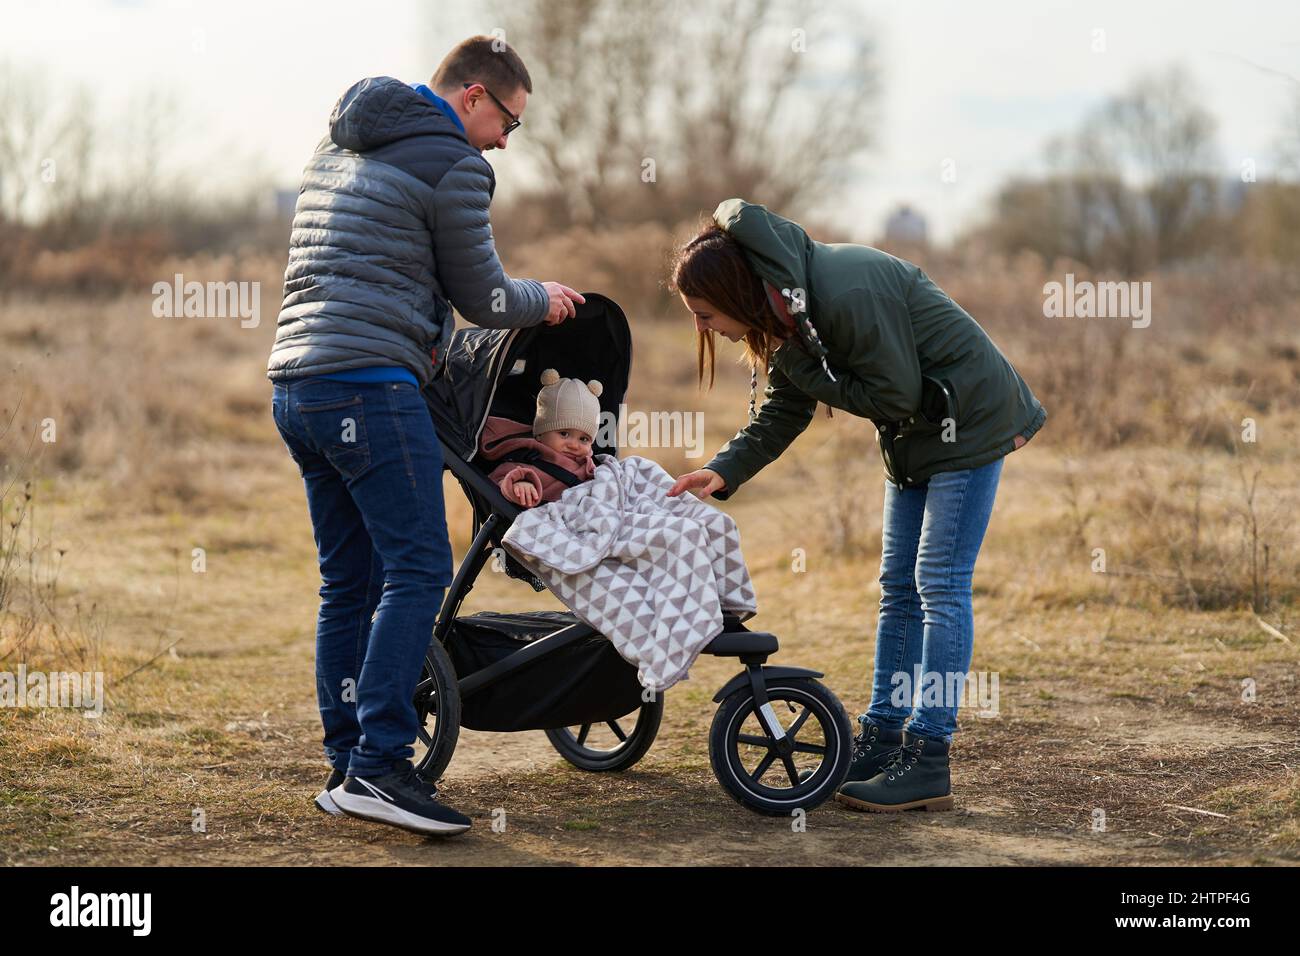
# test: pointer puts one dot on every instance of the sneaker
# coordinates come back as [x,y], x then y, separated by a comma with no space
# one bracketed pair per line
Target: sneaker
[324,802]
[400,799]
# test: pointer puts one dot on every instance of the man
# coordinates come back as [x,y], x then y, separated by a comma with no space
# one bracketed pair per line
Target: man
[391,230]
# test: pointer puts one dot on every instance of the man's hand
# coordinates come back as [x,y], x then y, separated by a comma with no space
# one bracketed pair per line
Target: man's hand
[700,483]
[562,299]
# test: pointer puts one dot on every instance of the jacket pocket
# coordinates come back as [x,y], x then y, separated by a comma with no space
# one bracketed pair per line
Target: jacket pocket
[938,406]
[338,430]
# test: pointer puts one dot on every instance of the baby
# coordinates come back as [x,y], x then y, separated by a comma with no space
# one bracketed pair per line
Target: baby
[537,466]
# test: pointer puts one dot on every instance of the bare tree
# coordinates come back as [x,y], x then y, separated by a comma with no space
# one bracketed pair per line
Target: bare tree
[657,111]
[1131,187]
[1159,135]
[36,133]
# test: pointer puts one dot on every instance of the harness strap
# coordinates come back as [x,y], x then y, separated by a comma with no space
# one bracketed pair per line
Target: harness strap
[531,456]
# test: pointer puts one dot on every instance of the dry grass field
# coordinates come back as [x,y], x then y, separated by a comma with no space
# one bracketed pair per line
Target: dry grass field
[1162,692]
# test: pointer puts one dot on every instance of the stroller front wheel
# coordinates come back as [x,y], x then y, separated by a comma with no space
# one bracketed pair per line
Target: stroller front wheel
[797,764]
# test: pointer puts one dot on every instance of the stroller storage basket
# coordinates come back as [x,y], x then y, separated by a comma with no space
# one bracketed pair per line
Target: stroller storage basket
[584,683]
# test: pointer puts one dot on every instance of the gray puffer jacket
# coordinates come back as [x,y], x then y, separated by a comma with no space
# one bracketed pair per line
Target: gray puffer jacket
[391,224]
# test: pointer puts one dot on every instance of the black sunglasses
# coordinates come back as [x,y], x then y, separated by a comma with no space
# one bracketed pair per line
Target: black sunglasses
[515,121]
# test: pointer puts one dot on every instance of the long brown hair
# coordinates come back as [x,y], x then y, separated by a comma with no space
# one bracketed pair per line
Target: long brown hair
[713,267]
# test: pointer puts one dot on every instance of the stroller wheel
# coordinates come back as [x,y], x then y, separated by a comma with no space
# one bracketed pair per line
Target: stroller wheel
[437,707]
[610,745]
[750,763]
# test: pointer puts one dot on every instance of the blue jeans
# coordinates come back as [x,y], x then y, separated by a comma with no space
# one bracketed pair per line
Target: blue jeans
[926,629]
[372,465]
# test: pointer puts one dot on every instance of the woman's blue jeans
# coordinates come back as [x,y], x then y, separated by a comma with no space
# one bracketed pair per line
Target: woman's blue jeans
[372,464]
[926,629]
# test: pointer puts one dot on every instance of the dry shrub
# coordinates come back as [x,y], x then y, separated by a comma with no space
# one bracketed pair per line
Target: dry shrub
[1206,536]
[627,263]
[158,410]
[108,264]
[1219,348]
[174,413]
[36,621]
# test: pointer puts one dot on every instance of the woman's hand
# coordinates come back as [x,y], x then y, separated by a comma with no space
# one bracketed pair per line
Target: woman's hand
[700,483]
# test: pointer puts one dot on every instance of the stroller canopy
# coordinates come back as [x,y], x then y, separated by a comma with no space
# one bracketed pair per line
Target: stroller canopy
[498,371]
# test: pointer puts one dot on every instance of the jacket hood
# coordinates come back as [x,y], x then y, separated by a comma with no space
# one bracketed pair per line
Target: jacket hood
[380,110]
[502,435]
[779,250]
[780,253]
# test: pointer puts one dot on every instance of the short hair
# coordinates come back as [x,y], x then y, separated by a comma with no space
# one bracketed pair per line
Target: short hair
[482,59]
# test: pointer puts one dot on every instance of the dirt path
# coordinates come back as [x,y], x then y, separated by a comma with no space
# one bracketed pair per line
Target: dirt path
[669,810]
[1103,710]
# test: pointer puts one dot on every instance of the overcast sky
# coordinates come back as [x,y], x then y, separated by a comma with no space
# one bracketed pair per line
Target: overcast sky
[983,84]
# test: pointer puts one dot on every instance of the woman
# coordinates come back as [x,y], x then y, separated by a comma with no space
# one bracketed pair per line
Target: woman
[863,331]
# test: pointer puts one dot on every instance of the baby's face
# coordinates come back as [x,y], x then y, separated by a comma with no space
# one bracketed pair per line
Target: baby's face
[568,441]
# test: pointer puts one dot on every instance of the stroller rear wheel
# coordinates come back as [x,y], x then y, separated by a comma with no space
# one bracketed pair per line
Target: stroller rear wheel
[610,745]
[796,766]
[437,708]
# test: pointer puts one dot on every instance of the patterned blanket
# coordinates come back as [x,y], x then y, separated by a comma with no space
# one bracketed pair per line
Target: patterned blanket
[651,573]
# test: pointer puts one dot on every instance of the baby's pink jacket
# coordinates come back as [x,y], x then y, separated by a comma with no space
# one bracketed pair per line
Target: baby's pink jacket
[501,435]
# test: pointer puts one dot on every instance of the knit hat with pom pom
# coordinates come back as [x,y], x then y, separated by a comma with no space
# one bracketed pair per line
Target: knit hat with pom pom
[567,403]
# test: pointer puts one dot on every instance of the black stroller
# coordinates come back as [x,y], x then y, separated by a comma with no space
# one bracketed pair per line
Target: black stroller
[549,671]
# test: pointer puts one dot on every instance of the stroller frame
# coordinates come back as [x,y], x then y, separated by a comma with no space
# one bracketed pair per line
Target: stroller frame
[751,693]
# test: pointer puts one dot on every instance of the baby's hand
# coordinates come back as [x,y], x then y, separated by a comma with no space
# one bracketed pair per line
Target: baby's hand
[518,489]
[526,494]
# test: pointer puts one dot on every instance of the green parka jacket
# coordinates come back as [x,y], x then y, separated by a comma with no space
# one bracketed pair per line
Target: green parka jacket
[876,337]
